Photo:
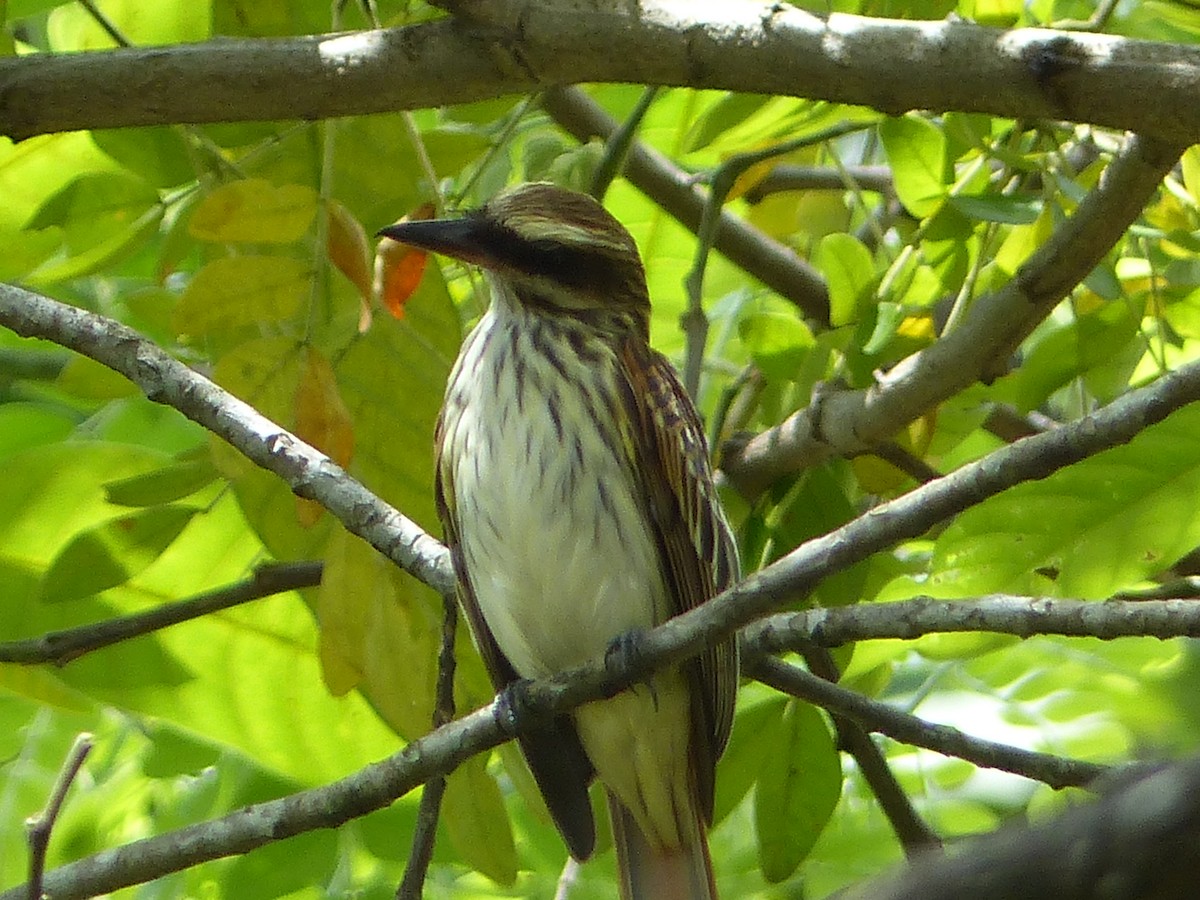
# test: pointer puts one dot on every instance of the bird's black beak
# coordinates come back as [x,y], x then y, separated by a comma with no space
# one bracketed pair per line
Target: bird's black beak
[465,238]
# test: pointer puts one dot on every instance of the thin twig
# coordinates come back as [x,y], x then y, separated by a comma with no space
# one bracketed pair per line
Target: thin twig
[1056,771]
[39,826]
[906,461]
[425,835]
[61,647]
[694,319]
[911,830]
[877,179]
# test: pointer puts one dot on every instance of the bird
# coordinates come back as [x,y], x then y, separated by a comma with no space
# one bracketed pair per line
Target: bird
[578,501]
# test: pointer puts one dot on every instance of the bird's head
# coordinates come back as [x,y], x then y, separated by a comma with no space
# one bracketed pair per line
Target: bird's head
[554,251]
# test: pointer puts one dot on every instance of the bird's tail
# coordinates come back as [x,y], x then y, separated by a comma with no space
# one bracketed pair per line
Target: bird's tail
[645,873]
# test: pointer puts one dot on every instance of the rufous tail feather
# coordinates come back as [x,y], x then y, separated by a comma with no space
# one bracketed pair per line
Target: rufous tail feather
[648,874]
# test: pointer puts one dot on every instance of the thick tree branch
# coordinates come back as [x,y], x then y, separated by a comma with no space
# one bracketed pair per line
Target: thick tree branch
[1136,843]
[848,422]
[890,65]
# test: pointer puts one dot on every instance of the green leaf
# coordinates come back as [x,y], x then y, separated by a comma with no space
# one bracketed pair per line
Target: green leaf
[159,154]
[97,207]
[112,553]
[1088,530]
[35,170]
[24,425]
[23,251]
[730,110]
[239,291]
[380,632]
[1066,347]
[71,27]
[778,339]
[797,791]
[888,317]
[104,216]
[165,485]
[750,743]
[999,208]
[849,270]
[916,149]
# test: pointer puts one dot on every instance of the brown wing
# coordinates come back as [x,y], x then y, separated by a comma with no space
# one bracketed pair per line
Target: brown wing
[698,551]
[555,755]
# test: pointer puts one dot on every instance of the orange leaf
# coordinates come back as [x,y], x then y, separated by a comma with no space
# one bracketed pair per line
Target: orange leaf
[322,420]
[399,268]
[350,252]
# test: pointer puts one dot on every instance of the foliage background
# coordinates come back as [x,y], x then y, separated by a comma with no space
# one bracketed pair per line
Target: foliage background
[235,247]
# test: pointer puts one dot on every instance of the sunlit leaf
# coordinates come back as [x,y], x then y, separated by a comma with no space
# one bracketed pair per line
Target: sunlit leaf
[916,148]
[1088,530]
[777,338]
[165,485]
[730,110]
[848,270]
[998,208]
[104,217]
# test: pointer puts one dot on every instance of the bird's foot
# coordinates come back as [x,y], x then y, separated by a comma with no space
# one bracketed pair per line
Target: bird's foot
[513,706]
[623,659]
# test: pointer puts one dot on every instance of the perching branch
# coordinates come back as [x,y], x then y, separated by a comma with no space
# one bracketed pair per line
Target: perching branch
[848,422]
[514,47]
[310,474]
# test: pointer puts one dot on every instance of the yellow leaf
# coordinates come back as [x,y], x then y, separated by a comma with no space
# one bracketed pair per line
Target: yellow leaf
[237,291]
[254,211]
[750,178]
[920,327]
